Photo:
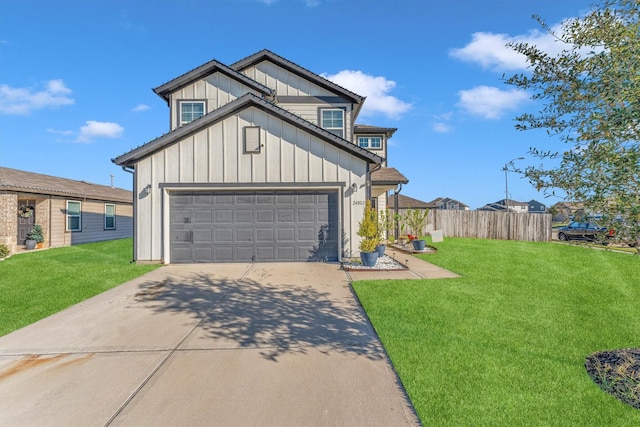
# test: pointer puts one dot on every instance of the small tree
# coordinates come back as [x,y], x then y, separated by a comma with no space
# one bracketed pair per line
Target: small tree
[36,234]
[386,223]
[416,219]
[368,229]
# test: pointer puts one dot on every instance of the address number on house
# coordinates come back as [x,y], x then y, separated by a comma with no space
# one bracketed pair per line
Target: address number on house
[359,203]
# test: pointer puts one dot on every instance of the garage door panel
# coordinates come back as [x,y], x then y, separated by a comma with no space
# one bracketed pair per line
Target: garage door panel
[202,216]
[244,253]
[223,216]
[265,216]
[306,234]
[203,236]
[203,253]
[286,215]
[264,234]
[244,235]
[287,234]
[228,226]
[306,215]
[223,254]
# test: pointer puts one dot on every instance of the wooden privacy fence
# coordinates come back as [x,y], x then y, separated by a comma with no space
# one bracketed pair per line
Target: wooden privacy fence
[490,225]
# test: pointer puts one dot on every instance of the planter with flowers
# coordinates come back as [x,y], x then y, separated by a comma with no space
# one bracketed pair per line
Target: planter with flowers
[368,230]
[416,219]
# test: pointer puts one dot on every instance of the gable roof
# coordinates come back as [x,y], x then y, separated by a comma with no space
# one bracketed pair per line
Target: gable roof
[245,101]
[267,55]
[406,202]
[35,183]
[203,71]
[387,176]
[511,202]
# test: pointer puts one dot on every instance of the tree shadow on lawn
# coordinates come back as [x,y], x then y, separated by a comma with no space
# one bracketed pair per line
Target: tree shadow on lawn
[278,319]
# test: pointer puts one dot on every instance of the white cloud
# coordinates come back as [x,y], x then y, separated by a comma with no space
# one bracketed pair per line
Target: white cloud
[490,102]
[140,107]
[376,89]
[95,129]
[491,52]
[22,101]
[442,127]
[60,132]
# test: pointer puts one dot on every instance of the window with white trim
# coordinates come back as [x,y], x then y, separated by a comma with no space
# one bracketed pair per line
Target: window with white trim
[332,119]
[190,110]
[109,216]
[370,142]
[74,215]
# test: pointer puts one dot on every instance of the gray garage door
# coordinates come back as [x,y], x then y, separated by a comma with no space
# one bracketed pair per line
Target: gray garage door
[240,226]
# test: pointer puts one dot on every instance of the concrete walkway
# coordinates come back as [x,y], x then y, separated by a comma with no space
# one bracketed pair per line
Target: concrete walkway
[417,269]
[281,344]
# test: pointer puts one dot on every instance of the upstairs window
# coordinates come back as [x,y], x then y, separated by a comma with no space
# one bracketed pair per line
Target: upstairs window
[370,142]
[109,216]
[74,217]
[189,111]
[333,121]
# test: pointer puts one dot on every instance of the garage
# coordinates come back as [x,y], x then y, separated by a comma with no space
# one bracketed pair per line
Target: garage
[253,226]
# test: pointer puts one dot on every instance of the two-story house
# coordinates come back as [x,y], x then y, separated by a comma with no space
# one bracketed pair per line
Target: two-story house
[449,204]
[506,205]
[263,161]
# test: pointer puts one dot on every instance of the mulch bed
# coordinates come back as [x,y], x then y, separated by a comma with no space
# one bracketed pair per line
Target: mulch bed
[617,372]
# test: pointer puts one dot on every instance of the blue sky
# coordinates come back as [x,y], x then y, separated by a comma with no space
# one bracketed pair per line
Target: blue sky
[76,78]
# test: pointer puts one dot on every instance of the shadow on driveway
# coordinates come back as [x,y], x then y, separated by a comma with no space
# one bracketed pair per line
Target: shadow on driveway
[277,319]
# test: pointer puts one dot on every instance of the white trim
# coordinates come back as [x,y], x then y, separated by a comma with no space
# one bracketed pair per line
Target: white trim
[106,216]
[165,252]
[79,216]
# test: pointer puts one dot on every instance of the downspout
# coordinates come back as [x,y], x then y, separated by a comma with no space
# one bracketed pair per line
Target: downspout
[133,249]
[397,211]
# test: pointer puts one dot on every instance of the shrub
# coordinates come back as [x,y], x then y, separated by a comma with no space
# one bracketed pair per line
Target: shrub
[4,251]
[368,229]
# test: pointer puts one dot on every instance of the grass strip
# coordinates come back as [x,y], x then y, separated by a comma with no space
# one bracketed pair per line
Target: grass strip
[37,284]
[505,344]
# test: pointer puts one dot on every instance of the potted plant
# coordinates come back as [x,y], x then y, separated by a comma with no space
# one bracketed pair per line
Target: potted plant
[416,220]
[368,230]
[402,238]
[34,237]
[386,223]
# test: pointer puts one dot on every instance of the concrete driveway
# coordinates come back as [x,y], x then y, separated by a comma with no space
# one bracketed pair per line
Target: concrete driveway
[223,344]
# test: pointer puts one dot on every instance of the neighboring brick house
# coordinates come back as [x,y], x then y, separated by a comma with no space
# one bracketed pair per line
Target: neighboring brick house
[69,211]
[263,161]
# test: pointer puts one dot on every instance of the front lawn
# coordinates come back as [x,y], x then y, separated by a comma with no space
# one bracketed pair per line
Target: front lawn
[36,285]
[506,343]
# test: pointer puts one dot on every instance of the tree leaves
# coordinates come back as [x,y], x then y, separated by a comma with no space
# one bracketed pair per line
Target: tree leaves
[590,95]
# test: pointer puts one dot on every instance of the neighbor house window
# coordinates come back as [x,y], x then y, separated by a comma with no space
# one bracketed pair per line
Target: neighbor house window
[109,216]
[371,142]
[189,111]
[74,217]
[333,121]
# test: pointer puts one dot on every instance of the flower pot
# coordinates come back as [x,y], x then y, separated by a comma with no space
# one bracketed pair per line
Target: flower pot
[30,244]
[369,258]
[380,249]
[38,245]
[418,245]
[402,241]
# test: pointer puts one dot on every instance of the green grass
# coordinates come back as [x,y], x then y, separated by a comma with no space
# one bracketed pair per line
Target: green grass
[506,343]
[37,284]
